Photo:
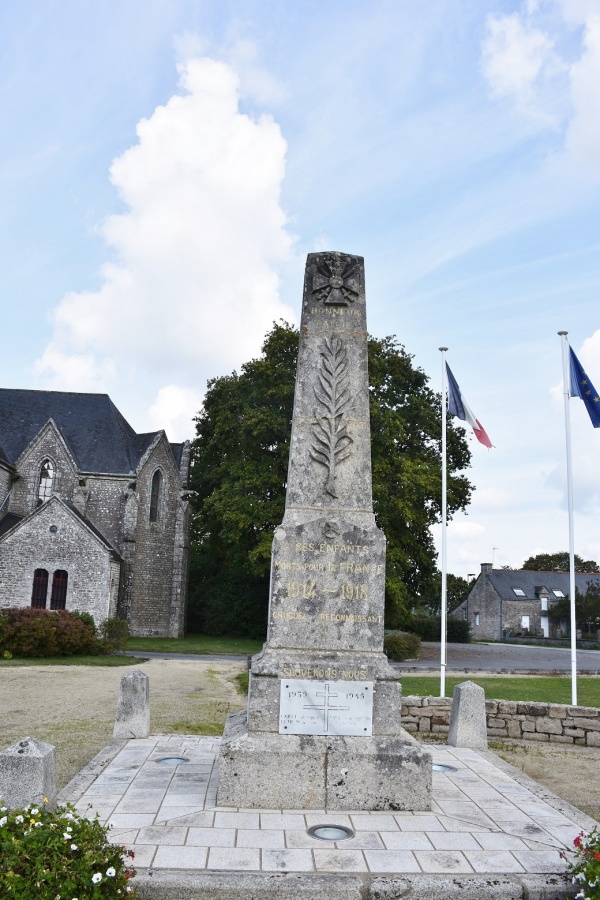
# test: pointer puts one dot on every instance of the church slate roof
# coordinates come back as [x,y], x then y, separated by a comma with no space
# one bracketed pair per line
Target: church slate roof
[8,521]
[98,436]
[504,580]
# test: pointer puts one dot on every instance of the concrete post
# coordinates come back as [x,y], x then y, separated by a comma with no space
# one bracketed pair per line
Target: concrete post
[467,718]
[28,773]
[133,708]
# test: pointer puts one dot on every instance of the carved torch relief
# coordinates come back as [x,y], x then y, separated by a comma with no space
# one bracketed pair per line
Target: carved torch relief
[331,441]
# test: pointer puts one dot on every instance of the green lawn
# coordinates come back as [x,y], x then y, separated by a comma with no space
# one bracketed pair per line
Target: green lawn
[529,687]
[74,661]
[195,643]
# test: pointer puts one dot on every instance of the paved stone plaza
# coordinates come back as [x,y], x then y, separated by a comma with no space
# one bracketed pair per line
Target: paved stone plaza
[486,820]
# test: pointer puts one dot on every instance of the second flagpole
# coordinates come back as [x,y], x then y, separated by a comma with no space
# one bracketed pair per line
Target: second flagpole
[572,593]
[443,610]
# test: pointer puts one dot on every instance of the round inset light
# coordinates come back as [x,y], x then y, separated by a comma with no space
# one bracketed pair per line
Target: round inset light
[331,832]
[172,760]
[53,529]
[441,767]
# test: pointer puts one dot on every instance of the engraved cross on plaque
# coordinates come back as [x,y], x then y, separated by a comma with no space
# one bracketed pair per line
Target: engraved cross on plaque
[327,706]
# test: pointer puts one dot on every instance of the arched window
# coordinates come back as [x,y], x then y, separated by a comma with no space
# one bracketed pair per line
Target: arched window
[46,481]
[155,495]
[58,598]
[40,589]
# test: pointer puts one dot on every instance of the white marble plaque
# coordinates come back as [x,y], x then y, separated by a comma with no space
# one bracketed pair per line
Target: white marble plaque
[325,707]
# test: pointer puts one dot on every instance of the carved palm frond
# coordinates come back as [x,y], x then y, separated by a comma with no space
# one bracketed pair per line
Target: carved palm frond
[331,441]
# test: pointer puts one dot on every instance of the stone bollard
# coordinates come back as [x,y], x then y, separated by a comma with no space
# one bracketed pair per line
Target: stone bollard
[133,708]
[468,718]
[28,774]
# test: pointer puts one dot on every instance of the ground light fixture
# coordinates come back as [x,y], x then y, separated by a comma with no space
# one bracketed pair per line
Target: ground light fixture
[331,832]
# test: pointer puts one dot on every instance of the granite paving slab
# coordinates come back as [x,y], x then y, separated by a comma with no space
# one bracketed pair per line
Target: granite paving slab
[497,822]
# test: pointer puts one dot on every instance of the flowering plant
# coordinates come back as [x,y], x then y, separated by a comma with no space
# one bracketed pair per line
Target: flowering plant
[585,867]
[60,855]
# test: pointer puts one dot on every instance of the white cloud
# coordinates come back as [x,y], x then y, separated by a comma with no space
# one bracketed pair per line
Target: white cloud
[515,56]
[493,498]
[192,283]
[583,135]
[465,531]
[527,57]
[171,411]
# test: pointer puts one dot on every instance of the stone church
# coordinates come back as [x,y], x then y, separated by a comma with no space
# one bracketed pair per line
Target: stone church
[93,517]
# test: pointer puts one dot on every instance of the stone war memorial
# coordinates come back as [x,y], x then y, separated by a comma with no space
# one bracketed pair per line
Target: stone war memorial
[322,727]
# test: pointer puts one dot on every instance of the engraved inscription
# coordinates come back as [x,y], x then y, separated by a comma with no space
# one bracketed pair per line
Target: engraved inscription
[325,707]
[336,280]
[331,441]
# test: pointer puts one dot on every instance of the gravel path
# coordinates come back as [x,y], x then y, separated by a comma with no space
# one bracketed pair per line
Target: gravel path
[73,707]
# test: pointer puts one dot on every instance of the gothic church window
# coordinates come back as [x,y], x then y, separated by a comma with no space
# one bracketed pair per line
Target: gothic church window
[155,495]
[58,598]
[46,481]
[40,589]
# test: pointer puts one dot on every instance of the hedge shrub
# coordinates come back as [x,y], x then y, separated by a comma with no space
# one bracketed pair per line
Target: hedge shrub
[429,628]
[401,645]
[114,635]
[39,633]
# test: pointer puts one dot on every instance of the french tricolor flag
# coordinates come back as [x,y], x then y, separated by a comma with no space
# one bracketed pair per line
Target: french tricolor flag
[457,406]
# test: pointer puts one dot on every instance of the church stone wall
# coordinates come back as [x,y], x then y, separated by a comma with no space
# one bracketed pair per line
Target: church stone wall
[48,445]
[106,502]
[5,482]
[151,583]
[92,572]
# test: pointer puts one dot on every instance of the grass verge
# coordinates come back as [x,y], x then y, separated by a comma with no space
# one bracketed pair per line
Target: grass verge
[106,661]
[528,688]
[195,643]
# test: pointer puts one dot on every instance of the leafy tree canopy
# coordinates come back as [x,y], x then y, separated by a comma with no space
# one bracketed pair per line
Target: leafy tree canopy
[587,608]
[553,562]
[239,473]
[457,589]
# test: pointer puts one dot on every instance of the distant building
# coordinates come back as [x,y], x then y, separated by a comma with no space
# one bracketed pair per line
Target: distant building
[93,517]
[509,602]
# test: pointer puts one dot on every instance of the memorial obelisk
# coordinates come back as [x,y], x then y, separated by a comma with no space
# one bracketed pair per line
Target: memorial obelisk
[322,728]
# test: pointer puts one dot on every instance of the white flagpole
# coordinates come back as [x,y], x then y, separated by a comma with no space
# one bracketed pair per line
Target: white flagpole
[443,611]
[567,396]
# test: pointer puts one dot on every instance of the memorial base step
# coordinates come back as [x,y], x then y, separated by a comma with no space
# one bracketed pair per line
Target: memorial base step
[286,771]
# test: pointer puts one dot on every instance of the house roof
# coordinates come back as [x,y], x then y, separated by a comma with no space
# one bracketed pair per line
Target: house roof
[97,435]
[12,521]
[8,521]
[505,580]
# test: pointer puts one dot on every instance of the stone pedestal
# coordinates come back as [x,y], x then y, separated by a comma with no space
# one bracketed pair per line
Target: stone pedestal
[322,728]
[28,774]
[133,707]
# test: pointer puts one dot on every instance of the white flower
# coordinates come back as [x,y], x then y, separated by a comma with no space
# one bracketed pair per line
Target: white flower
[97,877]
[66,836]
[34,811]
[3,821]
[111,872]
[69,828]
[74,847]
[38,825]
[3,808]
[18,819]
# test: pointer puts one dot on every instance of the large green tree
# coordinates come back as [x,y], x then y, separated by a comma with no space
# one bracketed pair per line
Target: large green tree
[587,608]
[239,473]
[553,562]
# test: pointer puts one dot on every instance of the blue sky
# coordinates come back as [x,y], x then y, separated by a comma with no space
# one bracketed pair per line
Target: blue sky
[167,166]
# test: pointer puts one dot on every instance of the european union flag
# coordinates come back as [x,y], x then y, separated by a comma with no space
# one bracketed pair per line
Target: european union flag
[581,386]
